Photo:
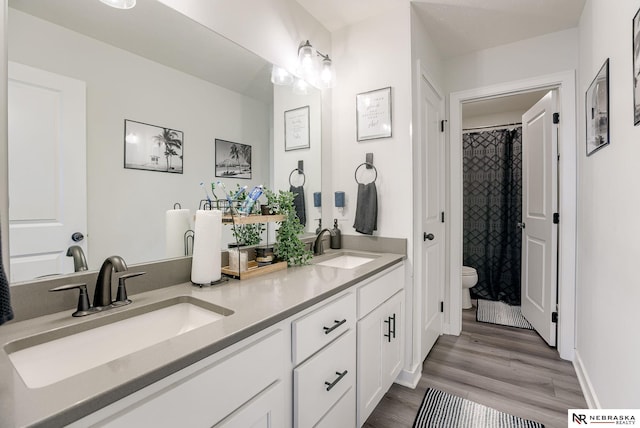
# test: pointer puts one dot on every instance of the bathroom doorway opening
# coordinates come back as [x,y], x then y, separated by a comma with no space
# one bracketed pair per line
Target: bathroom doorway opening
[497,248]
[565,83]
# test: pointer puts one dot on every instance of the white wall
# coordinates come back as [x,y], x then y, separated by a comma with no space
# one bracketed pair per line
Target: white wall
[370,55]
[533,57]
[608,289]
[284,162]
[126,207]
[491,119]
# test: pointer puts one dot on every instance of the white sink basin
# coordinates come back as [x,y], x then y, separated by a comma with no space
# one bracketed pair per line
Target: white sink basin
[56,359]
[346,261]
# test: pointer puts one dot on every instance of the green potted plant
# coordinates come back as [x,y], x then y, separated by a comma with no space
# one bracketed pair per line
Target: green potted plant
[288,246]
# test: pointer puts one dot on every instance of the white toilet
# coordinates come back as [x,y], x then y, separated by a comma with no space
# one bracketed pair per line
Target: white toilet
[469,279]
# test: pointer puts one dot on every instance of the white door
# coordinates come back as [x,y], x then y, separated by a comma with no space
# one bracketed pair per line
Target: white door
[433,251]
[539,203]
[47,171]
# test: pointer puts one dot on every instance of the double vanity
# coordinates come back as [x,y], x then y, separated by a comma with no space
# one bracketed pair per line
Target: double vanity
[310,346]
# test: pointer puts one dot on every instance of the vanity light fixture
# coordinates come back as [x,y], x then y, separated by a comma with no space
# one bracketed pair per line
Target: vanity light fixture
[300,87]
[309,69]
[280,76]
[120,4]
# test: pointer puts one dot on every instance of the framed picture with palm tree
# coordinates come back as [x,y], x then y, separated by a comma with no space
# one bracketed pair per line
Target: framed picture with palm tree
[152,148]
[233,160]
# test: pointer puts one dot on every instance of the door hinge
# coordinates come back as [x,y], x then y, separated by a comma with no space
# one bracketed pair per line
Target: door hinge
[442,217]
[442,125]
[556,218]
[556,118]
[554,317]
[441,306]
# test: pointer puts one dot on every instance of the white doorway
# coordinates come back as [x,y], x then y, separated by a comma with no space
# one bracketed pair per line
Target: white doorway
[565,83]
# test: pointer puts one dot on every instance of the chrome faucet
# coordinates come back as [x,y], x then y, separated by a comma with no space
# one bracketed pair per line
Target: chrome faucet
[318,245]
[102,294]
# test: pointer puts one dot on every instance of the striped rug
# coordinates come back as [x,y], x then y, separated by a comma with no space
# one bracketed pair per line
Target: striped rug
[500,313]
[442,410]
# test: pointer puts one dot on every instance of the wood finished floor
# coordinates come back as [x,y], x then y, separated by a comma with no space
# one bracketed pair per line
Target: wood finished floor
[510,369]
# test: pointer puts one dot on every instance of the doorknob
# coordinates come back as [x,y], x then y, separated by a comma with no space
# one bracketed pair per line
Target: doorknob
[521,225]
[77,237]
[429,236]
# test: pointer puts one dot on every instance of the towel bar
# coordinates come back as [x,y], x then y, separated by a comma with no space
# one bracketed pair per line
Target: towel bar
[304,177]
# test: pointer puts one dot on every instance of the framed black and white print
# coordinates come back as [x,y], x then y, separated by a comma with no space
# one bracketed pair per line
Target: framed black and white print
[233,160]
[597,110]
[152,148]
[636,68]
[373,114]
[296,129]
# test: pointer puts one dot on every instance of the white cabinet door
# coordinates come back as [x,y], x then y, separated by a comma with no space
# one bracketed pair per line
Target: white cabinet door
[379,353]
[266,410]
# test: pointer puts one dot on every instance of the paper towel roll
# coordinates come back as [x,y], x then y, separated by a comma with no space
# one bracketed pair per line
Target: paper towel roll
[177,222]
[205,267]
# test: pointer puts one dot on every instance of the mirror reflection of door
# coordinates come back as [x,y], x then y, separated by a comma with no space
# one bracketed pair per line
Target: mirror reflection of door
[47,171]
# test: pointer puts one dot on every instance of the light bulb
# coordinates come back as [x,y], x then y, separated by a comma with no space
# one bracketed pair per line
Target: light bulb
[327,78]
[300,87]
[280,76]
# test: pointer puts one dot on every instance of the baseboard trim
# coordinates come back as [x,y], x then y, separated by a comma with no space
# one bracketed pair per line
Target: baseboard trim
[585,382]
[410,378]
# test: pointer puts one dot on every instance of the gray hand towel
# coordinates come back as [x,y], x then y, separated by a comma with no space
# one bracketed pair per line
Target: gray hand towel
[6,313]
[298,203]
[366,220]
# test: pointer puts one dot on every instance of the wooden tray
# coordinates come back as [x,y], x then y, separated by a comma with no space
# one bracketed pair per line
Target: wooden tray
[254,270]
[252,219]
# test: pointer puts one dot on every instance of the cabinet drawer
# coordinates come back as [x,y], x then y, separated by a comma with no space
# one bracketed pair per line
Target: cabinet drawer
[342,414]
[322,380]
[313,331]
[207,396]
[379,289]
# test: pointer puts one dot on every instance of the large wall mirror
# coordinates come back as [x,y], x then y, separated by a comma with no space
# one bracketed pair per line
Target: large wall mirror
[77,70]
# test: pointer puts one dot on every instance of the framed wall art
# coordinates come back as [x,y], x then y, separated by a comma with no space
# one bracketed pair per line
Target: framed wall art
[373,114]
[296,129]
[597,110]
[152,148]
[233,160]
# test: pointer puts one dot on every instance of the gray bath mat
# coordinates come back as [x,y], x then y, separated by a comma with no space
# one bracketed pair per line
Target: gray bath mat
[502,314]
[442,410]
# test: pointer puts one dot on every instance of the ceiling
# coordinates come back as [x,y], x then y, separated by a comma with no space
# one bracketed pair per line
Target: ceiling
[461,26]
[507,104]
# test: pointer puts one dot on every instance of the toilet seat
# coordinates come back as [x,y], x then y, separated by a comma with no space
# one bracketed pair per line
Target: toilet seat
[468,271]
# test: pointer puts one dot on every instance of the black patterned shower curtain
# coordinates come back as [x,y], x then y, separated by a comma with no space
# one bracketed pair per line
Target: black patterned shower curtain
[492,186]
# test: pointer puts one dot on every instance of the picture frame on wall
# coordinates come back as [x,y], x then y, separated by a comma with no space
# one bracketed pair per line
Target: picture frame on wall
[597,110]
[636,68]
[373,114]
[297,134]
[152,148]
[233,160]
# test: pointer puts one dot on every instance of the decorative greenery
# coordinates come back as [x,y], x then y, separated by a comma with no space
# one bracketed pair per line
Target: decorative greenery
[288,245]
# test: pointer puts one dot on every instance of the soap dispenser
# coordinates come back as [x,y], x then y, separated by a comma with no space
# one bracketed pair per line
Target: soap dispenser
[335,241]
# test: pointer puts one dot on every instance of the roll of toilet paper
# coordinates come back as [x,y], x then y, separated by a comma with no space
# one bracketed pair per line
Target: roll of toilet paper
[177,222]
[205,267]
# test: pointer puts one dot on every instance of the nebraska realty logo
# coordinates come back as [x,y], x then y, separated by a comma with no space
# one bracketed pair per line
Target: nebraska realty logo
[581,417]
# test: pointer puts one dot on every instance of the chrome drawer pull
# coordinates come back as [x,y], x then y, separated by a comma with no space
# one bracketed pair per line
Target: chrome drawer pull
[332,384]
[337,324]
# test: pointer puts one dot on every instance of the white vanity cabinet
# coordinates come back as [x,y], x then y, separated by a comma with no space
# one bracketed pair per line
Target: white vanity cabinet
[242,386]
[380,338]
[324,383]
